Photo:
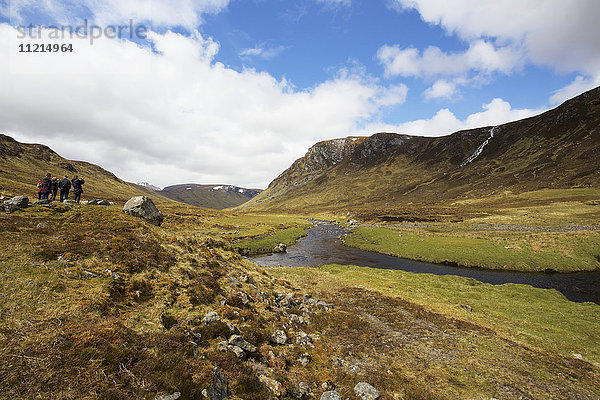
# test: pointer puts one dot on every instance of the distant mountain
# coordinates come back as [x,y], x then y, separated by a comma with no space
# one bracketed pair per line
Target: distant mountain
[210,196]
[557,149]
[23,165]
[149,186]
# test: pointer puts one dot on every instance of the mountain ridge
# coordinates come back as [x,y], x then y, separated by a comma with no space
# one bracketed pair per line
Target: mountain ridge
[559,148]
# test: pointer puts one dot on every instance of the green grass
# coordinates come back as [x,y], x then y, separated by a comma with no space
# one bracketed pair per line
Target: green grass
[539,318]
[505,250]
[266,245]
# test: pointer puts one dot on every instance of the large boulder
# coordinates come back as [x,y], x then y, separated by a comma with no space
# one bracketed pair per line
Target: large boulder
[143,207]
[16,203]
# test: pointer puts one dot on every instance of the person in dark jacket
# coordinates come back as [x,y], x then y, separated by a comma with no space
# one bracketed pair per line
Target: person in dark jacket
[54,188]
[77,189]
[65,186]
[46,187]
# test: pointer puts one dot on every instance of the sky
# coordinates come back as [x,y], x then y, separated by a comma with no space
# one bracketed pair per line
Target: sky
[233,91]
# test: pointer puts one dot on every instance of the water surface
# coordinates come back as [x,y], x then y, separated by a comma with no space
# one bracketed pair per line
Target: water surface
[322,246]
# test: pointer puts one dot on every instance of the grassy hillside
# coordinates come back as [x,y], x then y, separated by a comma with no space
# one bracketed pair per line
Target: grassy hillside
[70,329]
[23,165]
[210,196]
[393,174]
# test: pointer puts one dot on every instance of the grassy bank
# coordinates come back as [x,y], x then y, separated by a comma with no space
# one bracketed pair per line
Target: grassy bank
[537,318]
[506,250]
[267,244]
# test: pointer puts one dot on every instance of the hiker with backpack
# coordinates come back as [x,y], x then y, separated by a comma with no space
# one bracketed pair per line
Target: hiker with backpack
[65,186]
[77,189]
[46,188]
[54,188]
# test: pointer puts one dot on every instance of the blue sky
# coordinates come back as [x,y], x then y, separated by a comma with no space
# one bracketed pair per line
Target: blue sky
[233,91]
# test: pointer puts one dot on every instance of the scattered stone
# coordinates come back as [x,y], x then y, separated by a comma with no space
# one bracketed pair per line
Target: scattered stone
[247,279]
[303,339]
[210,318]
[113,274]
[16,203]
[280,248]
[43,202]
[327,386]
[99,202]
[235,281]
[239,341]
[222,346]
[173,396]
[42,226]
[143,207]
[577,356]
[366,392]
[331,395]
[218,389]
[303,390]
[239,353]
[90,273]
[304,359]
[232,328]
[279,337]
[466,307]
[272,385]
[196,336]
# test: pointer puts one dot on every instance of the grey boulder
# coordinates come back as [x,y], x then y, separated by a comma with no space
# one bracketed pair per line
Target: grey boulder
[331,395]
[366,392]
[99,202]
[16,203]
[143,207]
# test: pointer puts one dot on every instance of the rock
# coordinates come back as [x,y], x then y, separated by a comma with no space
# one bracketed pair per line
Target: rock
[280,248]
[577,356]
[143,207]
[366,392]
[218,389]
[279,337]
[327,386]
[466,307]
[210,318]
[173,396]
[196,336]
[304,359]
[16,203]
[42,226]
[303,339]
[99,202]
[232,328]
[239,353]
[331,395]
[222,346]
[237,340]
[303,390]
[43,202]
[235,281]
[272,385]
[113,274]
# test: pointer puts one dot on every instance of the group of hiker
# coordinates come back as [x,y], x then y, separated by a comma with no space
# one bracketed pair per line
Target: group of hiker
[49,187]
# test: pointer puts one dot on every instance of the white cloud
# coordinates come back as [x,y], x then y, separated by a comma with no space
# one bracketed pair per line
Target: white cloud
[441,89]
[174,114]
[481,57]
[262,51]
[558,33]
[186,13]
[445,122]
[578,86]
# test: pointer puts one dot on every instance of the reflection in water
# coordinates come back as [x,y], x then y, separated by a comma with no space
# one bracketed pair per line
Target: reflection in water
[323,246]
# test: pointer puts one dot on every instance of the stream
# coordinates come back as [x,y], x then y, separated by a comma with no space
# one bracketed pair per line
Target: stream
[322,246]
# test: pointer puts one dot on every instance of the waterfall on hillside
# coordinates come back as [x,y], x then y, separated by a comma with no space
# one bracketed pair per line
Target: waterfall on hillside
[479,149]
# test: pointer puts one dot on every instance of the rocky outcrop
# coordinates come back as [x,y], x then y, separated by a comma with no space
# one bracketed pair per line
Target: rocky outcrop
[16,203]
[143,207]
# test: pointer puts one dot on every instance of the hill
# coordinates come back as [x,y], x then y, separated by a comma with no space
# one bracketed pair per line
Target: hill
[557,149]
[210,196]
[23,165]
